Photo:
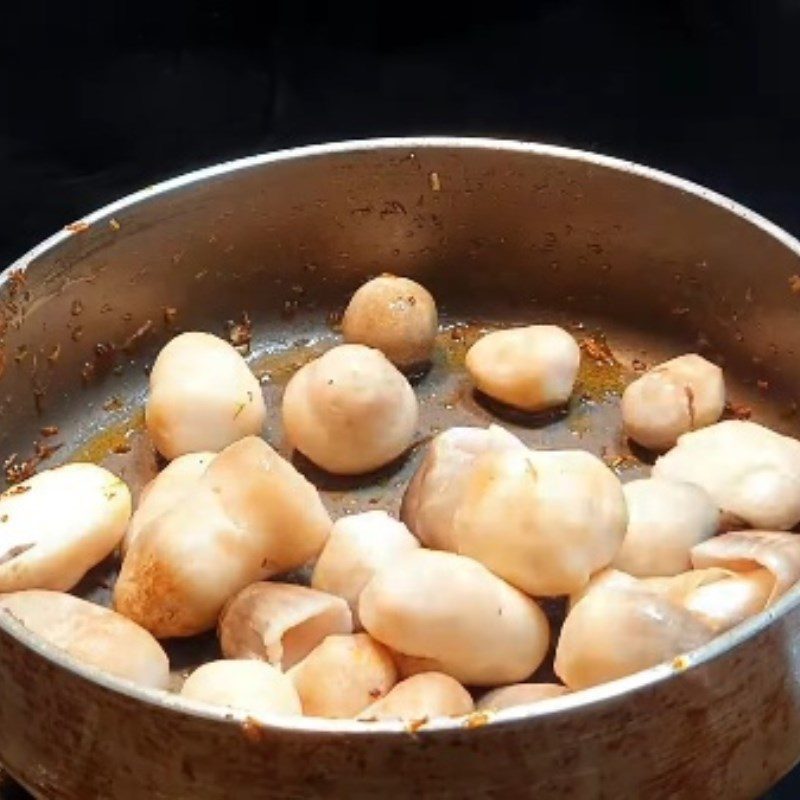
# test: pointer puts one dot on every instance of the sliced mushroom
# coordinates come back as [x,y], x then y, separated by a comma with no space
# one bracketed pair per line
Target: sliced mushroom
[57,525]
[350,411]
[357,547]
[203,396]
[250,686]
[543,521]
[280,623]
[531,368]
[394,315]
[673,398]
[169,486]
[519,694]
[665,520]
[751,472]
[420,698]
[438,485]
[250,516]
[343,675]
[452,615]
[615,631]
[91,634]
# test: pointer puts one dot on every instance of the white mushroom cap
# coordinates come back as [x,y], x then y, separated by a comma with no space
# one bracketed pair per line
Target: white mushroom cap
[91,634]
[543,521]
[680,395]
[343,675]
[751,472]
[280,623]
[615,631]
[250,686]
[665,520]
[530,368]
[350,411]
[394,315]
[421,697]
[452,615]
[250,516]
[203,396]
[357,547]
[161,493]
[57,525]
[438,485]
[519,694]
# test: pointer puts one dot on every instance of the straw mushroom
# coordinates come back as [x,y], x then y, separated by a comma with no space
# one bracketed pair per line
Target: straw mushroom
[665,520]
[343,675]
[57,525]
[91,634]
[280,623]
[203,396]
[161,493]
[544,521]
[451,615]
[519,694]
[751,472]
[420,698]
[394,315]
[671,399]
[615,631]
[747,552]
[251,515]
[357,547]
[531,368]
[250,686]
[438,485]
[350,411]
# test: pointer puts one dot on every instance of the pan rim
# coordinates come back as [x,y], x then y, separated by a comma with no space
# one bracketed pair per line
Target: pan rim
[312,726]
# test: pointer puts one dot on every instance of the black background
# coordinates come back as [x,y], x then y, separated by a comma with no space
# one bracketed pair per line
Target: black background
[101,98]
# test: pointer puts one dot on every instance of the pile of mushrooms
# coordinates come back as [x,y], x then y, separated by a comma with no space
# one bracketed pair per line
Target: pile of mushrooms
[433,614]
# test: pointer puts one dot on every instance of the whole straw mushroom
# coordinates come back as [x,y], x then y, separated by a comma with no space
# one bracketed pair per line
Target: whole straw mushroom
[671,399]
[343,675]
[544,521]
[616,630]
[350,411]
[751,472]
[57,525]
[531,368]
[91,634]
[447,613]
[250,686]
[519,694]
[251,515]
[420,698]
[203,396]
[396,316]
[665,520]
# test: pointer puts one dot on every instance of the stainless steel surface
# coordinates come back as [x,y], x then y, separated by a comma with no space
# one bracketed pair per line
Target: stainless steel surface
[500,232]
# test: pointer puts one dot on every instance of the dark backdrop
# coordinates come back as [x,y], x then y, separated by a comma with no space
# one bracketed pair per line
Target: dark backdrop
[99,99]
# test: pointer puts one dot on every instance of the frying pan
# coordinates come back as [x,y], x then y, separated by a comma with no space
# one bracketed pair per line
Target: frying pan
[638,264]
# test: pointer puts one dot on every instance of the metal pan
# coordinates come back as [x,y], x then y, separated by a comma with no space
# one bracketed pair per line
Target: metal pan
[639,264]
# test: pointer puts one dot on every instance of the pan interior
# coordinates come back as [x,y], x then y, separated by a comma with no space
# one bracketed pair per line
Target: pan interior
[268,252]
